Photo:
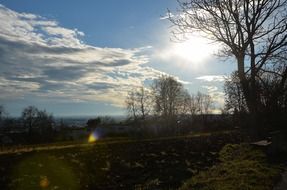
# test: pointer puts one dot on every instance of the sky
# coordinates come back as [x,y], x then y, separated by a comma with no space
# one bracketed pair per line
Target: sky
[80,58]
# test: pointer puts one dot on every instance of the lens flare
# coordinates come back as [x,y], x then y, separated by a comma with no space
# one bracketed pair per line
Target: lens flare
[93,137]
[43,171]
[44,182]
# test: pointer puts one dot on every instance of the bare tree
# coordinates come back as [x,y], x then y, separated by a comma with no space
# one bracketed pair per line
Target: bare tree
[193,105]
[185,104]
[138,103]
[3,112]
[131,104]
[167,94]
[29,117]
[253,31]
[145,102]
[37,120]
[44,122]
[199,103]
[207,103]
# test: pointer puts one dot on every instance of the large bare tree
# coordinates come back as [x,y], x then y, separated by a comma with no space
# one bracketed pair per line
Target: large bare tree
[253,31]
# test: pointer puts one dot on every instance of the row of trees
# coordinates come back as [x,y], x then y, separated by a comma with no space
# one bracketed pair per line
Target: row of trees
[273,103]
[272,97]
[37,121]
[37,124]
[166,98]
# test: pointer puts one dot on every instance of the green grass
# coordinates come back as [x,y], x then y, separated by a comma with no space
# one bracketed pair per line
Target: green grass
[241,168]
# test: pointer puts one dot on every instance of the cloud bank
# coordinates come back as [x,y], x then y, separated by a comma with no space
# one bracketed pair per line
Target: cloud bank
[41,58]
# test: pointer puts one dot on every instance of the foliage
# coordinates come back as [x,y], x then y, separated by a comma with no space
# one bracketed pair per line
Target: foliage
[241,168]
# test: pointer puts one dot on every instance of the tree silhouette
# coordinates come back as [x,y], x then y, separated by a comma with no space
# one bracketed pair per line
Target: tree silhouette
[234,98]
[29,117]
[253,31]
[167,93]
[3,115]
[138,103]
[38,122]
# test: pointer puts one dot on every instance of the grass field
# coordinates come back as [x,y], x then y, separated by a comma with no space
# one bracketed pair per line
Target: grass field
[163,163]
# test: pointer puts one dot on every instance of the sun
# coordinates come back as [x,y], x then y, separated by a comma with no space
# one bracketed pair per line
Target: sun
[196,49]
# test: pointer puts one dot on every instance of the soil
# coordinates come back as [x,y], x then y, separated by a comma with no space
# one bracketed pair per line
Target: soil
[152,164]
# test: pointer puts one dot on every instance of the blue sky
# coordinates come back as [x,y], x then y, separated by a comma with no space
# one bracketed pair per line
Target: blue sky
[106,23]
[82,57]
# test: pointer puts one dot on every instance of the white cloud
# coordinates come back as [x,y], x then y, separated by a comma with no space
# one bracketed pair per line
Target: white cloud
[166,16]
[216,94]
[32,28]
[213,84]
[212,78]
[43,59]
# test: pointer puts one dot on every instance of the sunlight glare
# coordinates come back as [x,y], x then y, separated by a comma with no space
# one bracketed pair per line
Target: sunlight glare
[196,49]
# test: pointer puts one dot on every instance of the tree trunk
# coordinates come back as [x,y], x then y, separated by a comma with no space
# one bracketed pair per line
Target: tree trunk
[249,94]
[249,90]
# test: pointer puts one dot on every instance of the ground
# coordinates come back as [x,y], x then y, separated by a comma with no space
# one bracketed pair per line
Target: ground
[145,164]
[282,185]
